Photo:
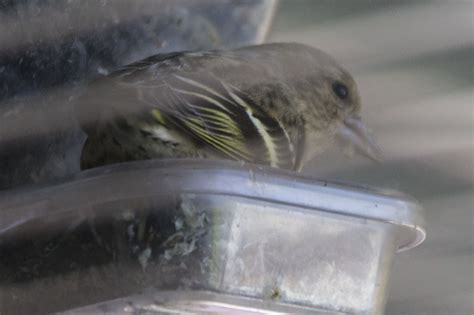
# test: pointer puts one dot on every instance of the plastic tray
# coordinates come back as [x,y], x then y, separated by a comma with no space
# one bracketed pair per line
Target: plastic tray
[245,238]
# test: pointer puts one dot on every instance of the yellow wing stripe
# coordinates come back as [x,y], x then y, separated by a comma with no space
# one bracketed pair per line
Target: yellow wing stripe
[226,148]
[158,116]
[223,120]
[197,124]
[267,139]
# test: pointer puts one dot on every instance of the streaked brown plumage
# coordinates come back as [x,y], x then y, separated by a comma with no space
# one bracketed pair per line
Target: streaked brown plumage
[276,104]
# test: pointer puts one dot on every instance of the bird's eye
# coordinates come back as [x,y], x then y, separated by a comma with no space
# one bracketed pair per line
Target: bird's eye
[341,90]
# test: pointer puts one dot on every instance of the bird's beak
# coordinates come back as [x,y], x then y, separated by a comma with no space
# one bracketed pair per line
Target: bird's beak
[353,132]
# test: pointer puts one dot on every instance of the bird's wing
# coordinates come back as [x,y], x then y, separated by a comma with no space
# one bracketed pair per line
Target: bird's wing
[209,110]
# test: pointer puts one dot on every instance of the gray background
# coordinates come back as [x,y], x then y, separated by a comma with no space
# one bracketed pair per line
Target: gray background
[413,61]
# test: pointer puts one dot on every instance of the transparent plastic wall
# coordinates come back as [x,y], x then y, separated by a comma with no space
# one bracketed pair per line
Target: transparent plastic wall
[50,49]
[270,240]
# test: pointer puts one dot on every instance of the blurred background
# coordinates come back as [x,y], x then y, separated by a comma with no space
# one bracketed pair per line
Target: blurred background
[413,62]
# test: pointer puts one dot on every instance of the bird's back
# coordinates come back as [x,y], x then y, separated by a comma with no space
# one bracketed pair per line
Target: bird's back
[205,104]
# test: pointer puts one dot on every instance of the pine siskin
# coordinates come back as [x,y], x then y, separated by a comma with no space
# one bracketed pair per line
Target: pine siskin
[275,104]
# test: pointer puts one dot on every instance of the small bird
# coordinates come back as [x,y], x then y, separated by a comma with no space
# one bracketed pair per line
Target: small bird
[276,104]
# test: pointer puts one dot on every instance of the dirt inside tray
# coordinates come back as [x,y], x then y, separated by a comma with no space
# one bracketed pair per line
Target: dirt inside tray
[86,261]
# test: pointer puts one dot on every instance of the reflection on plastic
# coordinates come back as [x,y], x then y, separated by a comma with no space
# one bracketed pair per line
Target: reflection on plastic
[274,237]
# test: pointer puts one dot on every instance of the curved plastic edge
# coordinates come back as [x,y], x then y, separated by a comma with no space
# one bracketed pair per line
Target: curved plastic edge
[194,302]
[141,179]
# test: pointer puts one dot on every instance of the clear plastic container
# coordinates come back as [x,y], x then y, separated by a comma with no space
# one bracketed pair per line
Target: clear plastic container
[201,236]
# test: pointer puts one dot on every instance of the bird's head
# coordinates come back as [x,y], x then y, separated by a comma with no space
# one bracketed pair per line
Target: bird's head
[341,96]
[331,98]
